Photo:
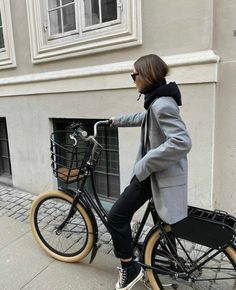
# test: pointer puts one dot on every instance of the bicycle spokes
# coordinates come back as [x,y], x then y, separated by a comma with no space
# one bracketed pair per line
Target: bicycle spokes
[193,266]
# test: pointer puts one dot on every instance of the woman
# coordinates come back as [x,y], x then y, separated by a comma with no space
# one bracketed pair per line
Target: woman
[160,169]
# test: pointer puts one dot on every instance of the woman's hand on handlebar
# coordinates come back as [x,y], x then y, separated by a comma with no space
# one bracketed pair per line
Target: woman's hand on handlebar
[112,122]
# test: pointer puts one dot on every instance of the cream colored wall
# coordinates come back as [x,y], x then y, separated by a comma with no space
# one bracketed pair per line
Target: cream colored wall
[161,34]
[224,40]
[225,140]
[225,122]
[199,114]
[173,27]
[29,128]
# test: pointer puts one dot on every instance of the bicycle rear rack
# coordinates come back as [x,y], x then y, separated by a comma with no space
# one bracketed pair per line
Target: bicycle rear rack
[216,216]
[215,229]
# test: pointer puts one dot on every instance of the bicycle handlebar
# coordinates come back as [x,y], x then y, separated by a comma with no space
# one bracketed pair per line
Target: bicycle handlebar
[83,134]
[106,122]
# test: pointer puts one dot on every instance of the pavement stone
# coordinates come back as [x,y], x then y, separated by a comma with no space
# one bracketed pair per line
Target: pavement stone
[106,238]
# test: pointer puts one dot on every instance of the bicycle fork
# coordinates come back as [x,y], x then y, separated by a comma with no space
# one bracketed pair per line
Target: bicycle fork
[70,214]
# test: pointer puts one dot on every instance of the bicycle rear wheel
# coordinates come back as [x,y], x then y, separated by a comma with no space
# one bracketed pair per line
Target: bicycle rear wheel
[222,266]
[71,243]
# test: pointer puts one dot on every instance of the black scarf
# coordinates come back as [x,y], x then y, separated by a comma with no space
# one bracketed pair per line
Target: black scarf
[161,89]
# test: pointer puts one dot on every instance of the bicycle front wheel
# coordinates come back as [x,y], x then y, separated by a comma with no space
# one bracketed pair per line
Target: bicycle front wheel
[217,273]
[69,243]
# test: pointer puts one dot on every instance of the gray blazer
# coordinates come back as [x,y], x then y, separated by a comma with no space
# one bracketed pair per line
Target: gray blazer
[167,142]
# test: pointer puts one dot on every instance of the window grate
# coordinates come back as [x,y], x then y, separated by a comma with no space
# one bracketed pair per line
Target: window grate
[5,160]
[107,171]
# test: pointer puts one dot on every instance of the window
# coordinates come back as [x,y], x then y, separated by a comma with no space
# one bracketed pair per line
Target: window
[66,28]
[7,50]
[5,163]
[2,45]
[67,17]
[98,14]
[107,173]
[62,17]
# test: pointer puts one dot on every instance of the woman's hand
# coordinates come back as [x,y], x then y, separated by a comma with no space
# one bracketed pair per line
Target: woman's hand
[112,119]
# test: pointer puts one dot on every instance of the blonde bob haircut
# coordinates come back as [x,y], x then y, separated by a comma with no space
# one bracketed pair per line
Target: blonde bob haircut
[151,68]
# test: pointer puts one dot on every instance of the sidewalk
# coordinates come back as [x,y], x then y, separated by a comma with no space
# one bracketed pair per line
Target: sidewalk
[23,265]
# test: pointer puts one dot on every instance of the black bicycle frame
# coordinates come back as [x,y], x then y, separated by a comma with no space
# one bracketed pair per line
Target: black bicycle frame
[94,202]
[101,212]
[83,195]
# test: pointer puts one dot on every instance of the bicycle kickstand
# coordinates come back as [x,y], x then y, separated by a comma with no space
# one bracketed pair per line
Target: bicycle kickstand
[145,282]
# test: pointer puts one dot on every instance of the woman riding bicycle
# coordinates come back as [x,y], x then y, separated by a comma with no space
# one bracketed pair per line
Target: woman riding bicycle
[160,169]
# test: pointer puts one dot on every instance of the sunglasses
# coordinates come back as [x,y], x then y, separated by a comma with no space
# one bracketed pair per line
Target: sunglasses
[134,75]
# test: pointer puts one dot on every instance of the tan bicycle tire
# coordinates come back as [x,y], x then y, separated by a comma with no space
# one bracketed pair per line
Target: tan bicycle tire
[89,224]
[148,257]
[230,252]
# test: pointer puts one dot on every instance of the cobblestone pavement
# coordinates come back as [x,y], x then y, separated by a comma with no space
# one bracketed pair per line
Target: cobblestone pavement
[16,204]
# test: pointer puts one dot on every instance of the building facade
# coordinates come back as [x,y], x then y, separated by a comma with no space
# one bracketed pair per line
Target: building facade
[65,60]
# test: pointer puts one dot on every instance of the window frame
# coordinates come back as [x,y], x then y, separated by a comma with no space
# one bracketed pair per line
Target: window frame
[7,54]
[88,40]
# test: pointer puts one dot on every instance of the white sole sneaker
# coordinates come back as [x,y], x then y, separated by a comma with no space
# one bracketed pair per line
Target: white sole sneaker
[131,284]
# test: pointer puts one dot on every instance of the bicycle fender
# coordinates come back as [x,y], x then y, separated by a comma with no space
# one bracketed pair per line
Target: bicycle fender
[234,243]
[149,234]
[68,191]
[84,204]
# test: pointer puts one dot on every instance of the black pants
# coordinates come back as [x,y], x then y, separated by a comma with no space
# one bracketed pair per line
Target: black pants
[120,216]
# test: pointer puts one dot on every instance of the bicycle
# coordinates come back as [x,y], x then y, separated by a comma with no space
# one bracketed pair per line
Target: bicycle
[198,252]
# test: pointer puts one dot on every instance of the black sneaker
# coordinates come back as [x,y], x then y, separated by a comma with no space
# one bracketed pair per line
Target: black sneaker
[128,277]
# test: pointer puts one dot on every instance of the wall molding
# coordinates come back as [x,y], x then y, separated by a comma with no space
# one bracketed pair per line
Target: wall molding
[197,67]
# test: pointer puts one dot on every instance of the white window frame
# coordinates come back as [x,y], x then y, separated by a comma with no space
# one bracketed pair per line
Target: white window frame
[126,31]
[7,54]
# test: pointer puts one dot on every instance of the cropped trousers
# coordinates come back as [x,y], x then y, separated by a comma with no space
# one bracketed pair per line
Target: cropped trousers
[120,215]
